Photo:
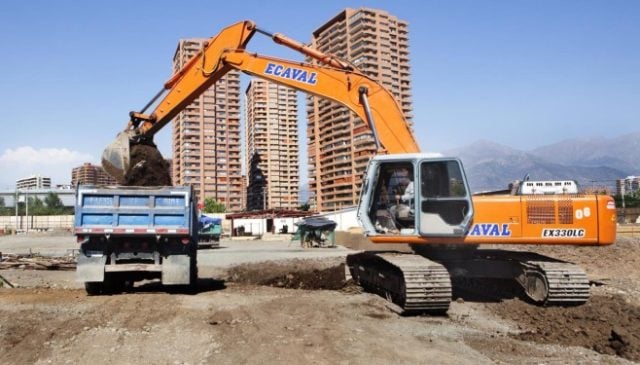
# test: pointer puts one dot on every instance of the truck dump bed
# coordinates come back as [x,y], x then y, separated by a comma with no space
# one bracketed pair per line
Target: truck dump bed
[133,210]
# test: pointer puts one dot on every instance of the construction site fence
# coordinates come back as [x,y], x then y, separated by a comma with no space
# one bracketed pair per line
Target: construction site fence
[627,225]
[628,230]
[10,224]
[628,215]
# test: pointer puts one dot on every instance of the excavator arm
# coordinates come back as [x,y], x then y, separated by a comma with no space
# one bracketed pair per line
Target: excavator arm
[330,78]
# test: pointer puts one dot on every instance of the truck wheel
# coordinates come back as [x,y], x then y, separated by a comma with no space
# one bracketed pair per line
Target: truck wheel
[113,284]
[93,288]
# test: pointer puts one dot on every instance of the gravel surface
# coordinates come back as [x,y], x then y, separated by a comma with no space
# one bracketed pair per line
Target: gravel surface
[295,307]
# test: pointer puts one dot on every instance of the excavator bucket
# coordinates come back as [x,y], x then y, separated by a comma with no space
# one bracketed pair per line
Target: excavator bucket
[116,158]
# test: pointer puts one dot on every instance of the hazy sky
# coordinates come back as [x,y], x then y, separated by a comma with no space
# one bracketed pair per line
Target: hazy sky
[520,73]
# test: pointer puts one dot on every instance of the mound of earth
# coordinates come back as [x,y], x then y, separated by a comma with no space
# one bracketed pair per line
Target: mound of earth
[147,168]
[295,274]
[608,325]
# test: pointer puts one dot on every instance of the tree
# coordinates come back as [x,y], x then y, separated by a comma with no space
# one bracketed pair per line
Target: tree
[50,205]
[54,204]
[212,206]
[37,207]
[630,200]
[3,208]
[304,207]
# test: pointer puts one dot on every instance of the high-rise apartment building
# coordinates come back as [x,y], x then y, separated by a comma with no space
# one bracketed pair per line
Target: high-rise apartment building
[339,143]
[33,182]
[628,185]
[91,174]
[206,137]
[272,146]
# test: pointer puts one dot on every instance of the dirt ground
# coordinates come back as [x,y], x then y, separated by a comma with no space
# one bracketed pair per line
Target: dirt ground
[303,311]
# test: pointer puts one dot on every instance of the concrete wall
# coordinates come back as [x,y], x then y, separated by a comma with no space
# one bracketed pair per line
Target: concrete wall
[346,218]
[259,226]
[37,222]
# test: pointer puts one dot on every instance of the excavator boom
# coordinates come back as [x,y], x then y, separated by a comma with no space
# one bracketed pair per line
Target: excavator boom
[348,88]
[331,78]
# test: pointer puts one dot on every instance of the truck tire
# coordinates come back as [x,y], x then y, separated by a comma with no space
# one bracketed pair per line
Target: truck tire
[93,288]
[114,283]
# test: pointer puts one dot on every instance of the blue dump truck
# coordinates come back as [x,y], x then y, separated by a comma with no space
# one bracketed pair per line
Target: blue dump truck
[127,234]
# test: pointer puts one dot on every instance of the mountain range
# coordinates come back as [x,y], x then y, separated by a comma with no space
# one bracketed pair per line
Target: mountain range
[591,162]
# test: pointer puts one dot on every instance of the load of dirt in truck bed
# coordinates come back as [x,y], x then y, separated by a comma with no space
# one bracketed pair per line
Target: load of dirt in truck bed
[608,325]
[147,168]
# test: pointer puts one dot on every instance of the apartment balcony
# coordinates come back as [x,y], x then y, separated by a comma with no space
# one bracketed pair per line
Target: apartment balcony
[191,137]
[338,40]
[336,164]
[367,32]
[365,147]
[327,109]
[364,51]
[334,150]
[337,139]
[335,183]
[334,131]
[359,25]
[335,203]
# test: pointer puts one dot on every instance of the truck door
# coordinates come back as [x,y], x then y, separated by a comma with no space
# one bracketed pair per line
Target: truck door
[443,201]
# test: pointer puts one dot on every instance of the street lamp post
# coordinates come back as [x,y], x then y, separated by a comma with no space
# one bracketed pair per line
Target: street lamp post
[15,202]
[624,212]
[26,211]
[264,197]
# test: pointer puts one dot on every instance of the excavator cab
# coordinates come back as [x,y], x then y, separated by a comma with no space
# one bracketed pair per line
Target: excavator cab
[415,195]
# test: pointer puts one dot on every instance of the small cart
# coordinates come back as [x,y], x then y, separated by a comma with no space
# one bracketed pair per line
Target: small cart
[316,232]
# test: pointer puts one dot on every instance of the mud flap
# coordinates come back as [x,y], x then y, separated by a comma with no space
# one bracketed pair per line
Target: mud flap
[90,268]
[176,270]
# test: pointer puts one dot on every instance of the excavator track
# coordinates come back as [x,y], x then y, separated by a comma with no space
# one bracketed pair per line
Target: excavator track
[545,280]
[554,283]
[413,282]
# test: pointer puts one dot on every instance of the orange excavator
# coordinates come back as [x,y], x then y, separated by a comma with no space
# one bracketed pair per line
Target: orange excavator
[407,197]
